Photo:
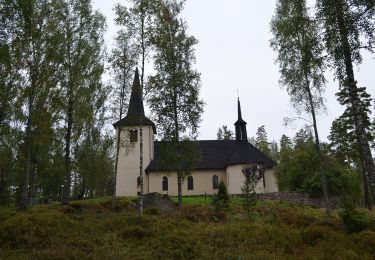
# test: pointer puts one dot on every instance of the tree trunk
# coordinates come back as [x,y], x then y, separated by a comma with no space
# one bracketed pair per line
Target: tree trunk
[68,137]
[318,149]
[32,189]
[140,130]
[176,137]
[118,139]
[26,179]
[141,169]
[179,187]
[367,163]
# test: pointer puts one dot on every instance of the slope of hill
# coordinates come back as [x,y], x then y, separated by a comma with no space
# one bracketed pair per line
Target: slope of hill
[88,229]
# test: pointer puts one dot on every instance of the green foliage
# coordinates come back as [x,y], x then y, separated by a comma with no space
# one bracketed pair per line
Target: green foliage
[297,169]
[173,92]
[354,220]
[253,174]
[224,133]
[221,199]
[279,231]
[261,141]
[51,59]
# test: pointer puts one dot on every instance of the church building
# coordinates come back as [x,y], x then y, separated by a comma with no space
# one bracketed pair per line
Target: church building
[218,160]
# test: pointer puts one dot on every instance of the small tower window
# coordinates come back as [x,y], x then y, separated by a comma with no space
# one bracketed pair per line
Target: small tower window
[215,182]
[164,183]
[190,183]
[133,135]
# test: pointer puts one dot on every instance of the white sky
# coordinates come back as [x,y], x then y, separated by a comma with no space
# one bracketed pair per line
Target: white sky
[233,53]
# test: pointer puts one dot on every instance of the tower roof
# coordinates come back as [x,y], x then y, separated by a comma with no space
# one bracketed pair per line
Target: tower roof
[239,121]
[136,113]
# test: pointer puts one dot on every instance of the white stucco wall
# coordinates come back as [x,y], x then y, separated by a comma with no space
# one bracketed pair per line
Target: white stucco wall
[128,163]
[232,177]
[236,180]
[202,182]
[271,181]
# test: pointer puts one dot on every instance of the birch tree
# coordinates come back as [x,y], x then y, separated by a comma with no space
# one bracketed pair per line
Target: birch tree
[81,73]
[296,40]
[174,89]
[137,23]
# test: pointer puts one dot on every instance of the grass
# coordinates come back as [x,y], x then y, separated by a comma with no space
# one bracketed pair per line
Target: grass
[89,229]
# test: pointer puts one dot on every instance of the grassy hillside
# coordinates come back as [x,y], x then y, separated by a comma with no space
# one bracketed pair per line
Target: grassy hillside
[88,229]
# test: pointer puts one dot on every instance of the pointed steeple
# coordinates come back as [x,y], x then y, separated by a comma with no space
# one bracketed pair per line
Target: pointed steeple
[239,109]
[136,113]
[240,125]
[136,98]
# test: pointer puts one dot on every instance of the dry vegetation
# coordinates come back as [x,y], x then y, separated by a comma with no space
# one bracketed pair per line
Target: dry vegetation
[88,229]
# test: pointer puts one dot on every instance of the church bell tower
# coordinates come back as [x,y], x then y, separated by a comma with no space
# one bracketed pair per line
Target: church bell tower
[132,128]
[240,124]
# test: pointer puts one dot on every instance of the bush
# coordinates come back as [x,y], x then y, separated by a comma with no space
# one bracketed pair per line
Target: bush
[354,220]
[312,235]
[152,211]
[221,200]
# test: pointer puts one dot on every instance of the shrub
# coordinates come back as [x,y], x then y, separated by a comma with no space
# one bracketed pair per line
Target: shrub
[366,241]
[221,200]
[311,235]
[152,211]
[354,220]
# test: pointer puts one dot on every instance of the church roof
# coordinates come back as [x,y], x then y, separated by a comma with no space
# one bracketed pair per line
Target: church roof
[136,114]
[218,154]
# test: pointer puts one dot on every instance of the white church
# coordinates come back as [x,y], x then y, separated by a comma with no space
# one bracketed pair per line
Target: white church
[218,160]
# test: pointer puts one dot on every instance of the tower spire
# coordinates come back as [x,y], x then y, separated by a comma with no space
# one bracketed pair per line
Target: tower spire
[239,108]
[136,113]
[136,98]
[240,125]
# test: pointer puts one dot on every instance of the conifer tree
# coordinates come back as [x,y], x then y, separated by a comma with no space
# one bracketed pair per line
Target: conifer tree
[224,133]
[261,140]
[349,27]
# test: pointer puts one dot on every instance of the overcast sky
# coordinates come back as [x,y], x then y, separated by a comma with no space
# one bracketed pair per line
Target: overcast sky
[233,53]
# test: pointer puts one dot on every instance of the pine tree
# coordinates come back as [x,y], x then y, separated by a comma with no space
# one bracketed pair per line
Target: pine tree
[224,133]
[261,141]
[349,26]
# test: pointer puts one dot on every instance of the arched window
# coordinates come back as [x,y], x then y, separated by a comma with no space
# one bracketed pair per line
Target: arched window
[215,182]
[190,183]
[164,184]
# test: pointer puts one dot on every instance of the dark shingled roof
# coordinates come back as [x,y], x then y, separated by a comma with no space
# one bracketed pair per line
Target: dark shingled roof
[218,154]
[136,114]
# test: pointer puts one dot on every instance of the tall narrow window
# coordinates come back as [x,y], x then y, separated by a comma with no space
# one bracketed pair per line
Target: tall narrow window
[133,135]
[264,181]
[164,183]
[190,183]
[215,182]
